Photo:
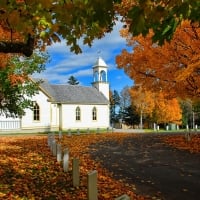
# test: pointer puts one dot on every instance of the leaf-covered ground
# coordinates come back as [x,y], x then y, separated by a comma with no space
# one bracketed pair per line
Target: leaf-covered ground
[28,170]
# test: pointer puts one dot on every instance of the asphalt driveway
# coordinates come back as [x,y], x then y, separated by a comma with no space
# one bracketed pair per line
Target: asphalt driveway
[157,170]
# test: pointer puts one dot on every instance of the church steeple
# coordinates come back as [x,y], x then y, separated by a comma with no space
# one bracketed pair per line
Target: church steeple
[100,77]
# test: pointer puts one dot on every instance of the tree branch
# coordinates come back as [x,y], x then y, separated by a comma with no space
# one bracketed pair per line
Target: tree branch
[18,47]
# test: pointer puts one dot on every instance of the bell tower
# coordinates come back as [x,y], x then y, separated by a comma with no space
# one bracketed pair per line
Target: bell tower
[100,79]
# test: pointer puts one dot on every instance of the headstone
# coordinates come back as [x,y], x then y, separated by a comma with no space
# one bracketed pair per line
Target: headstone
[154,126]
[69,132]
[158,128]
[66,160]
[54,148]
[49,139]
[123,197]
[60,135]
[187,127]
[92,186]
[97,130]
[167,128]
[78,131]
[75,172]
[59,153]
[107,129]
[88,131]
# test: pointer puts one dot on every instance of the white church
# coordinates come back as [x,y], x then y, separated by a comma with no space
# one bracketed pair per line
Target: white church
[64,107]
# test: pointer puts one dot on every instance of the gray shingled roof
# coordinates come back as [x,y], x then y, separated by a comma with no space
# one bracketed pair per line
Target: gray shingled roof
[73,94]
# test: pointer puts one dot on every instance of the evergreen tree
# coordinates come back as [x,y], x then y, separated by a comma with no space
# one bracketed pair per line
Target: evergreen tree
[72,81]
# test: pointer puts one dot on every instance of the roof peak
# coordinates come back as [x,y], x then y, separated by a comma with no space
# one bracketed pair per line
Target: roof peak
[100,62]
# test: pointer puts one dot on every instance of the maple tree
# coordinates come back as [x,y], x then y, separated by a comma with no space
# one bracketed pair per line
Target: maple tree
[143,100]
[155,106]
[172,68]
[167,110]
[30,24]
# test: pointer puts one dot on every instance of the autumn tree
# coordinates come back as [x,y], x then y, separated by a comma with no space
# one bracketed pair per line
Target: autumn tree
[35,24]
[143,100]
[16,86]
[72,81]
[172,68]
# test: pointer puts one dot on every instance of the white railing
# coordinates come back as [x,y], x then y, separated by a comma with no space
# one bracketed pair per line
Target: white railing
[10,125]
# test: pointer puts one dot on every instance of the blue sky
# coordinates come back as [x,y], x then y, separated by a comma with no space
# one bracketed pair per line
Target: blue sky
[64,63]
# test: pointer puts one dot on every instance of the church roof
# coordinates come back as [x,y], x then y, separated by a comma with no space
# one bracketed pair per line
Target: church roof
[100,62]
[73,94]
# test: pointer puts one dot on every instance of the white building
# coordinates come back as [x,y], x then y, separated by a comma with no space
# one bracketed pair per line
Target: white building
[63,107]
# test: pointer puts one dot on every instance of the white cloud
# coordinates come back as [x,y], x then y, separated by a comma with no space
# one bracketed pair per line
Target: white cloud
[65,63]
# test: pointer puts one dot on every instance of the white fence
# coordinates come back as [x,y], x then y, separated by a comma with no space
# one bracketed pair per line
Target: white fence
[10,125]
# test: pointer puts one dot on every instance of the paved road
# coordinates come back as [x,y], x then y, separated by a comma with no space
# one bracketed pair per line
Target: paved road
[157,170]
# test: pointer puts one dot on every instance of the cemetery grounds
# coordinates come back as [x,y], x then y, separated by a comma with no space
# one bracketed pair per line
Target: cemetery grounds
[124,163]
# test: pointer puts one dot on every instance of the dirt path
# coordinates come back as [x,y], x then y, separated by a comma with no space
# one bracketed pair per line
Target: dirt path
[156,169]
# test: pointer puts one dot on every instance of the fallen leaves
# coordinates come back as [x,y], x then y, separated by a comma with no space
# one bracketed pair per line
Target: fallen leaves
[180,142]
[30,171]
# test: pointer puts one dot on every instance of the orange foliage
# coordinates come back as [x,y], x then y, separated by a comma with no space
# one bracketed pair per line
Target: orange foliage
[172,68]
[143,100]
[164,110]
[167,110]
[180,142]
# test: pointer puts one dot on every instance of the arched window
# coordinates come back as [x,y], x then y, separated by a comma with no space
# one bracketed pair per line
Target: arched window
[36,112]
[103,76]
[78,114]
[94,113]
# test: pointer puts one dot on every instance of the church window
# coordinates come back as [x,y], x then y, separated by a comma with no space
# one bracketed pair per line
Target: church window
[94,113]
[78,114]
[103,76]
[36,112]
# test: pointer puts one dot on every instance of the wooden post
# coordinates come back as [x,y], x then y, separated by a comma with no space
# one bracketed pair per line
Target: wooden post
[92,186]
[75,172]
[66,160]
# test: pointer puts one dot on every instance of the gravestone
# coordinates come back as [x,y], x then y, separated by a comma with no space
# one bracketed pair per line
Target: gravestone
[69,132]
[88,131]
[66,160]
[97,130]
[75,172]
[60,135]
[59,153]
[54,148]
[107,129]
[92,186]
[123,197]
[78,131]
